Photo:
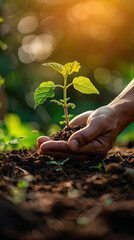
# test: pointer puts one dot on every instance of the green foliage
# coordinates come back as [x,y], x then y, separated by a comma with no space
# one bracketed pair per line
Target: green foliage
[56,66]
[101,167]
[15,135]
[18,193]
[59,164]
[69,68]
[2,80]
[82,84]
[44,91]
[58,102]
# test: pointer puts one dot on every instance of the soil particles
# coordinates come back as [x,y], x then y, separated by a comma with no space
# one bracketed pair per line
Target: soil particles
[77,200]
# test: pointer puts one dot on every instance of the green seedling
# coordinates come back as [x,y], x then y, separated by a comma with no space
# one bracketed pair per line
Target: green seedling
[5,143]
[46,89]
[19,192]
[58,164]
[100,167]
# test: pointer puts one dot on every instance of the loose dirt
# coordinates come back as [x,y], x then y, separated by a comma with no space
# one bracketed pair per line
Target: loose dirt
[88,200]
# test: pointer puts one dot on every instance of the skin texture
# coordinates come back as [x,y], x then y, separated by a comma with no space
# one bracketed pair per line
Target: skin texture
[102,128]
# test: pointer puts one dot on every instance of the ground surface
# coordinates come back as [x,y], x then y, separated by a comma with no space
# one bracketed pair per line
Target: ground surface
[80,202]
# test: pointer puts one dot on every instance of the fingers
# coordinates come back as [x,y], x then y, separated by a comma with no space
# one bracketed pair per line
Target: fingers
[73,156]
[87,134]
[54,146]
[95,148]
[42,139]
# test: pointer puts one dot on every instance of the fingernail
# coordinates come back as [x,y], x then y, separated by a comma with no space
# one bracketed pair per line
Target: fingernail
[74,144]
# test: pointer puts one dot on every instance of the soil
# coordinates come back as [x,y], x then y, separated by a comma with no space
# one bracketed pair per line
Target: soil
[87,200]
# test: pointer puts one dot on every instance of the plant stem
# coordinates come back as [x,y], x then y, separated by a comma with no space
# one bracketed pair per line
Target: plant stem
[65,100]
[59,86]
[69,85]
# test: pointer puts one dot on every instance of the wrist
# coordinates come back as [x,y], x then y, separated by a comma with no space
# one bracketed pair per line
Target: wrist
[124,113]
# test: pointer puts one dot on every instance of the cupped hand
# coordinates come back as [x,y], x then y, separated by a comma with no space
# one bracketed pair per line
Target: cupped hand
[95,139]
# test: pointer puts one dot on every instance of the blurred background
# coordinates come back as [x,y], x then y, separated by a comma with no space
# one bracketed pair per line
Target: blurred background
[99,34]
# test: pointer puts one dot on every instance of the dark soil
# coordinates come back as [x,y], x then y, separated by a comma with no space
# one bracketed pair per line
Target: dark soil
[65,133]
[88,200]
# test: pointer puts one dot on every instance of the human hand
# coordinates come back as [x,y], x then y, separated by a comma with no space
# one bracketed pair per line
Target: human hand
[96,139]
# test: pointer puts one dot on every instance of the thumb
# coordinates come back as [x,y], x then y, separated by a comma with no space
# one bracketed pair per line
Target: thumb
[85,135]
[80,119]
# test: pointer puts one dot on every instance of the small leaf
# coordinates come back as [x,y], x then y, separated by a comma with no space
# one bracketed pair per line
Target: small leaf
[57,102]
[84,85]
[68,99]
[71,67]
[44,91]
[69,116]
[56,66]
[58,169]
[20,138]
[1,19]
[23,184]
[61,100]
[13,142]
[72,105]
[62,122]
[52,162]
[64,161]
[1,81]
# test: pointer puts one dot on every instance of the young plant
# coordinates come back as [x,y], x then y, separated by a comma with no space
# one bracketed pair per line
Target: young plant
[46,89]
[59,164]
[101,167]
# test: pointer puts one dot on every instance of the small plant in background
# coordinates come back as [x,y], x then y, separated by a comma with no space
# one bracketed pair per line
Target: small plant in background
[46,89]
[101,167]
[18,137]
[19,192]
[59,164]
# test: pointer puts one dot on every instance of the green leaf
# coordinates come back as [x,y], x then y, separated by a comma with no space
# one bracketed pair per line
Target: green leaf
[20,138]
[23,184]
[84,85]
[61,100]
[13,142]
[62,122]
[1,19]
[57,102]
[52,162]
[71,67]
[68,99]
[72,105]
[64,161]
[69,116]
[1,81]
[56,66]
[44,91]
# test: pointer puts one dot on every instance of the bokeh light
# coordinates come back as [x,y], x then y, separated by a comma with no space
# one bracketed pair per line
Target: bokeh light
[28,24]
[97,33]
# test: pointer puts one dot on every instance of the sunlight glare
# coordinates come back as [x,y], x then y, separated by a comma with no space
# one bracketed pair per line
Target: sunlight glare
[28,24]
